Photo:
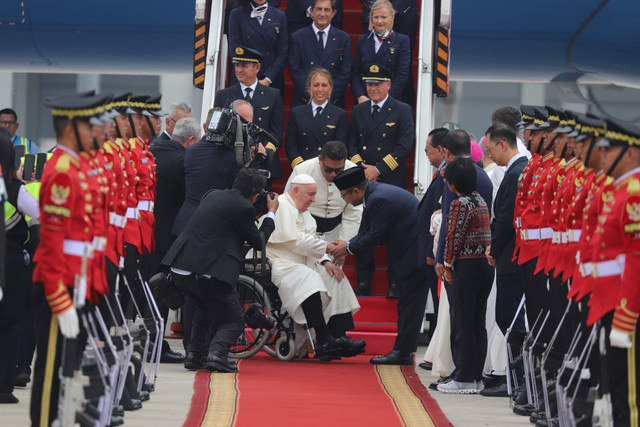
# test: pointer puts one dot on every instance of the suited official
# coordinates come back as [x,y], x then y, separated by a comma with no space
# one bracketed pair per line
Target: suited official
[312,125]
[176,112]
[306,53]
[206,261]
[266,101]
[389,219]
[265,32]
[428,205]
[298,12]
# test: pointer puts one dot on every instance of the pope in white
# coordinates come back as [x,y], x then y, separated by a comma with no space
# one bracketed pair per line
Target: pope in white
[313,290]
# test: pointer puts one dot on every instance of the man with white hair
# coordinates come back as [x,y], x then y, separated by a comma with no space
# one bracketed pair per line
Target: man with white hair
[313,290]
[177,111]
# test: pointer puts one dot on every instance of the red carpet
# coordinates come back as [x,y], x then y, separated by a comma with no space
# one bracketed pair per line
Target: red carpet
[349,392]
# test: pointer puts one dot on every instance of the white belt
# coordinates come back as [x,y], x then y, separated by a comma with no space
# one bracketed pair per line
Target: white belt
[99,243]
[559,238]
[77,248]
[573,235]
[585,269]
[133,213]
[518,222]
[117,220]
[613,267]
[145,205]
[536,233]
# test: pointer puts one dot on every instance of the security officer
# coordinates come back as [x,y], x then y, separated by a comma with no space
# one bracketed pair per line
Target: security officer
[320,45]
[9,120]
[381,136]
[615,267]
[66,244]
[266,102]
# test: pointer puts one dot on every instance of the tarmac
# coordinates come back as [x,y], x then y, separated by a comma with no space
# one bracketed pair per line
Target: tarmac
[170,402]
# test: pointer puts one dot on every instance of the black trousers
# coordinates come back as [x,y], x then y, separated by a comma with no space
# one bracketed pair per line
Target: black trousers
[508,297]
[411,305]
[49,344]
[12,306]
[432,286]
[366,266]
[472,281]
[535,291]
[624,377]
[557,306]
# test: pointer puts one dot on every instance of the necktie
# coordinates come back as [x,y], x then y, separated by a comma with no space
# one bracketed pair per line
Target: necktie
[320,41]
[376,108]
[318,111]
[435,174]
[247,97]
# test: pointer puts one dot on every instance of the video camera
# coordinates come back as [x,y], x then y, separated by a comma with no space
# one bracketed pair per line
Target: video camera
[261,204]
[230,129]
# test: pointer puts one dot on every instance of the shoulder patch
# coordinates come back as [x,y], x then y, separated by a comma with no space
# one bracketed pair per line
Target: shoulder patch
[634,186]
[64,163]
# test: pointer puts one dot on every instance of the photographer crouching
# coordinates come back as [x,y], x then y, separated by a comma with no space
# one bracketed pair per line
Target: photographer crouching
[205,261]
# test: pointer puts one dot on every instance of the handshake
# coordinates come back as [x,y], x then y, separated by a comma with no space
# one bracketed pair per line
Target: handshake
[337,249]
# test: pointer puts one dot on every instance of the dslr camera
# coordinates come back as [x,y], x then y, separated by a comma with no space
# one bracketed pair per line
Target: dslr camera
[261,204]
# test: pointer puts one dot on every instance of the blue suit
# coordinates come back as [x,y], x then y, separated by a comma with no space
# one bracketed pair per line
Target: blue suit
[389,218]
[394,54]
[305,55]
[271,39]
[267,113]
[297,18]
[405,21]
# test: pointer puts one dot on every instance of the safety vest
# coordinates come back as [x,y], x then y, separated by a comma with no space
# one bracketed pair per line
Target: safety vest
[11,216]
[26,142]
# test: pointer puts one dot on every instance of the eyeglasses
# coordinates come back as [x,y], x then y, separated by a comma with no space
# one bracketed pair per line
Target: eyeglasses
[329,170]
[7,122]
[343,195]
[172,119]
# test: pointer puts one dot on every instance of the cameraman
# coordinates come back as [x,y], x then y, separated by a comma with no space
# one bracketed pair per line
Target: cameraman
[208,166]
[206,258]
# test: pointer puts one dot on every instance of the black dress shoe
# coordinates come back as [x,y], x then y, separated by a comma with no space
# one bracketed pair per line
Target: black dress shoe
[499,390]
[525,410]
[393,292]
[426,365]
[219,364]
[330,350]
[8,398]
[351,347]
[171,356]
[395,357]
[194,361]
[363,289]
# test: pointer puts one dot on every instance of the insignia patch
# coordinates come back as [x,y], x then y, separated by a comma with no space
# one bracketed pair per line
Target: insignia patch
[607,196]
[392,50]
[390,124]
[633,209]
[331,126]
[239,51]
[265,108]
[579,182]
[374,69]
[60,194]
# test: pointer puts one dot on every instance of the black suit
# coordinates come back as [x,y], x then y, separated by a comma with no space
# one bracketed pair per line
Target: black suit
[213,245]
[160,139]
[428,205]
[267,113]
[389,219]
[503,241]
[384,142]
[307,134]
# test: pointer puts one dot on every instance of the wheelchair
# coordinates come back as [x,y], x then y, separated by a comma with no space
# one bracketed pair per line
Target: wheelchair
[256,291]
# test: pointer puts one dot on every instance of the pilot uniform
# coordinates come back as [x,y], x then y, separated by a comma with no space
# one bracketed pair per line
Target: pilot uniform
[305,54]
[297,17]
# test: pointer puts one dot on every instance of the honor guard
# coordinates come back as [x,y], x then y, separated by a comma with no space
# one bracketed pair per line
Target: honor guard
[63,257]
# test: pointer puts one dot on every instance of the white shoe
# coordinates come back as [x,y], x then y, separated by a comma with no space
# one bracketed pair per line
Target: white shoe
[456,387]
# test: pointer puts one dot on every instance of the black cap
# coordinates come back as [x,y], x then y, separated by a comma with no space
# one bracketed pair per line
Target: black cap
[242,55]
[553,117]
[589,127]
[527,115]
[376,73]
[120,103]
[350,178]
[153,105]
[77,106]
[565,125]
[620,133]
[540,119]
[138,103]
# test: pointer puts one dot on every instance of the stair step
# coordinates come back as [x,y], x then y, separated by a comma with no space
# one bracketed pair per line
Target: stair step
[377,342]
[376,310]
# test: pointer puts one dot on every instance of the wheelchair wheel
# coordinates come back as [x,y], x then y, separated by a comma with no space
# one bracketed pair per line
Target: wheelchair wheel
[251,341]
[286,348]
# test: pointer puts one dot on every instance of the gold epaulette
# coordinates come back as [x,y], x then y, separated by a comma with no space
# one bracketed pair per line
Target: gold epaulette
[64,162]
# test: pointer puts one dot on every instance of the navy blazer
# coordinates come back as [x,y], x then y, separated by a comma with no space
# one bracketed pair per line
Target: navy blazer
[267,113]
[389,218]
[503,234]
[484,188]
[307,134]
[297,18]
[170,188]
[271,39]
[213,241]
[428,205]
[305,55]
[385,142]
[395,54]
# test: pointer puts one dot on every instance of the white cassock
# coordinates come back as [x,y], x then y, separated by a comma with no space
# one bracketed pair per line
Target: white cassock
[329,203]
[295,254]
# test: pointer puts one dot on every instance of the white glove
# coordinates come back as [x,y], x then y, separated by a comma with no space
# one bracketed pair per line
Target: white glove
[69,324]
[1,294]
[619,339]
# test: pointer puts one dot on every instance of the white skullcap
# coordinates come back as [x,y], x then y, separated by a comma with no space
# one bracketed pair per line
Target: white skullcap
[303,178]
